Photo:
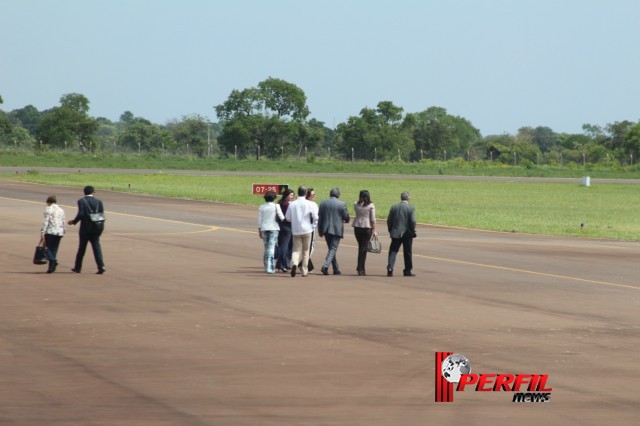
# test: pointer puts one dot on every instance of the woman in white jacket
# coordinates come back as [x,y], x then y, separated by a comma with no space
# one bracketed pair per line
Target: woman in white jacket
[52,231]
[268,229]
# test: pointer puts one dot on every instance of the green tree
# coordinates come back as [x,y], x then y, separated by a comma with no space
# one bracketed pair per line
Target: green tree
[241,104]
[237,137]
[126,119]
[573,141]
[6,128]
[497,147]
[192,135]
[436,132]
[143,136]
[616,133]
[376,134]
[107,133]
[390,113]
[69,122]
[287,100]
[631,143]
[595,133]
[263,120]
[20,137]
[27,117]
[307,135]
[542,137]
[323,138]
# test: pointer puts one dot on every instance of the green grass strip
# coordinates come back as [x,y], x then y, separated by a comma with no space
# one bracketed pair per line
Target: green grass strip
[605,210]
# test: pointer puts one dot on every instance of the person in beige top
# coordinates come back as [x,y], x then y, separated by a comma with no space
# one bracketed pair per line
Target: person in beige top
[364,227]
[52,231]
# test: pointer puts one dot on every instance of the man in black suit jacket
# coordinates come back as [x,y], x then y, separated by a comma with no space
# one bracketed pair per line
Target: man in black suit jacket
[401,223]
[89,232]
[333,215]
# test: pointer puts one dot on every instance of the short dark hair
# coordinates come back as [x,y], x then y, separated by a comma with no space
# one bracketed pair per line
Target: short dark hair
[51,199]
[89,190]
[405,196]
[269,196]
[335,192]
[302,191]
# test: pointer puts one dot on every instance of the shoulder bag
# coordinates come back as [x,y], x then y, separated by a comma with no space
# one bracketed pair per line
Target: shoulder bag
[96,219]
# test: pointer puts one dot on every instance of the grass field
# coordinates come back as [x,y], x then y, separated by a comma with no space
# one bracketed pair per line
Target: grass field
[607,211]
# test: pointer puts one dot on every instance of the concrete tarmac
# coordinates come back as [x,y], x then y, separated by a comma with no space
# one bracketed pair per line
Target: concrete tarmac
[185,327]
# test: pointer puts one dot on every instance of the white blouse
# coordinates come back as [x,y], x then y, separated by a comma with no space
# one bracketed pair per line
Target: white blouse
[54,220]
[267,216]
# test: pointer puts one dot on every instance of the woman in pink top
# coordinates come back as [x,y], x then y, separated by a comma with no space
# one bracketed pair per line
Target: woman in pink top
[364,226]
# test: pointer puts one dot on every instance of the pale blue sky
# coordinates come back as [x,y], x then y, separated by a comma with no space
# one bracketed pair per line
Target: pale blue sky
[500,64]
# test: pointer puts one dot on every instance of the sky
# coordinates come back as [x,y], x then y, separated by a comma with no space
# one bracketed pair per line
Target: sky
[501,64]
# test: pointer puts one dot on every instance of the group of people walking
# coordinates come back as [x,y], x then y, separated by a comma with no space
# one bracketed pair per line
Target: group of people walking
[54,227]
[289,228]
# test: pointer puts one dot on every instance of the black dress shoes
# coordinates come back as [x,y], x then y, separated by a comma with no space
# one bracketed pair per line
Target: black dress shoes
[77,271]
[337,273]
[101,271]
[325,271]
[409,274]
[293,270]
[389,272]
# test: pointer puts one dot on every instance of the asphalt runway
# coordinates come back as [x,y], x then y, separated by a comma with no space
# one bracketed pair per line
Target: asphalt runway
[185,328]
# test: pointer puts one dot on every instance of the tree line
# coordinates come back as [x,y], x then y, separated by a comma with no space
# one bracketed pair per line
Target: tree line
[272,120]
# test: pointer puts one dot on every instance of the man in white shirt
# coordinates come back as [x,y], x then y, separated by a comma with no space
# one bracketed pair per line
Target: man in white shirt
[303,217]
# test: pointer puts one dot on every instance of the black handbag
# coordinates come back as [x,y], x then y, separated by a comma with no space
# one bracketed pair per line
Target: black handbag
[40,256]
[374,245]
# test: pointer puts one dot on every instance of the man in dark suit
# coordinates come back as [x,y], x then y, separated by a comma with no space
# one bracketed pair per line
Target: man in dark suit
[401,224]
[332,217]
[89,231]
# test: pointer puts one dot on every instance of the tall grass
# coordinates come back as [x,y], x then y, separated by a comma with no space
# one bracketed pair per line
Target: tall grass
[605,211]
[454,167]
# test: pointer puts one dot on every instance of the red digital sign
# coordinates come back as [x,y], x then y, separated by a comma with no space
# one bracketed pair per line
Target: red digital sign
[263,188]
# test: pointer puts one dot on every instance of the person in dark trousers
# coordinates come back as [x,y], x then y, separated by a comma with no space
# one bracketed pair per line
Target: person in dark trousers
[364,227]
[401,224]
[89,231]
[52,231]
[285,238]
[332,217]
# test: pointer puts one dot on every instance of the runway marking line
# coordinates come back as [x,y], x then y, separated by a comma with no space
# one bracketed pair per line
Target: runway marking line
[526,271]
